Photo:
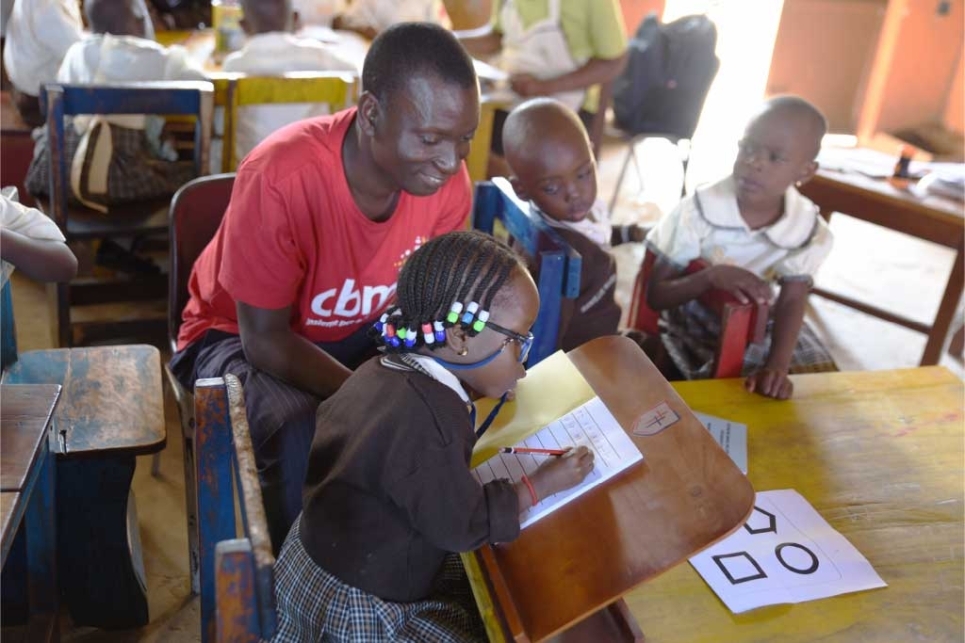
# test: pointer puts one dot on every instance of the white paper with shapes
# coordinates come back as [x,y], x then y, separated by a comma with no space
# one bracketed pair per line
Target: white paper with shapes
[785,553]
[731,436]
[591,425]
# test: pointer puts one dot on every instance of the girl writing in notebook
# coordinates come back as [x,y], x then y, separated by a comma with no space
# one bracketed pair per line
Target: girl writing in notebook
[389,496]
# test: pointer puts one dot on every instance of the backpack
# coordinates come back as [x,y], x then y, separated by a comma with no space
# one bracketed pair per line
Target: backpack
[669,70]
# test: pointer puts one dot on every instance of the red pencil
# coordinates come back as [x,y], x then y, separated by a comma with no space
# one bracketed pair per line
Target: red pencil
[552,452]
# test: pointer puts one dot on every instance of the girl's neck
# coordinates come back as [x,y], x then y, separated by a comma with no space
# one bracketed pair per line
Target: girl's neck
[761,215]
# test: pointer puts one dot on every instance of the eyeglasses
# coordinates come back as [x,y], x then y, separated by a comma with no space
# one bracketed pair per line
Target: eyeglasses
[525,341]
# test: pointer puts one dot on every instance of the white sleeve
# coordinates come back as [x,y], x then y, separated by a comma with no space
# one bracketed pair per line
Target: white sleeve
[677,235]
[803,263]
[60,26]
[179,66]
[29,222]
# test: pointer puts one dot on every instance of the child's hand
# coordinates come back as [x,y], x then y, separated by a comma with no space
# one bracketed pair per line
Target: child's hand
[557,474]
[742,284]
[770,382]
[527,85]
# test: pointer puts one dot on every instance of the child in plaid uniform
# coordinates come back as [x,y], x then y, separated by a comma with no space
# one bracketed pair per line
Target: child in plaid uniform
[389,498]
[755,229]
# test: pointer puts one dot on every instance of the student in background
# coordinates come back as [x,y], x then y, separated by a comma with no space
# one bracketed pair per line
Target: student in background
[32,243]
[140,164]
[271,50]
[755,229]
[36,38]
[323,214]
[389,497]
[552,165]
[369,17]
[559,48]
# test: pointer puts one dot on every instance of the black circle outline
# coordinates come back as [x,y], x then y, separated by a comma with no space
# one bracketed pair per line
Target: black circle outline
[810,570]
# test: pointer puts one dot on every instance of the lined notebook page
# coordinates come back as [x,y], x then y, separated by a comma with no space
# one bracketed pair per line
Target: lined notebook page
[591,425]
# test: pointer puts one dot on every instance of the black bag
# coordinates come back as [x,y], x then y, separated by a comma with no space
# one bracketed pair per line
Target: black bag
[668,73]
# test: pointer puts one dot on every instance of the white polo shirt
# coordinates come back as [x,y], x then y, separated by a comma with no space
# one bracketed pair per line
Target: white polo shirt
[709,225]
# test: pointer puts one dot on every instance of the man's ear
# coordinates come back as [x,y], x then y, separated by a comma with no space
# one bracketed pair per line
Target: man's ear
[518,188]
[457,339]
[807,173]
[368,113]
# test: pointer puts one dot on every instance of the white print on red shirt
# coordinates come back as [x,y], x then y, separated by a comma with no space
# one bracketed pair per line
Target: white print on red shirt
[354,305]
[349,303]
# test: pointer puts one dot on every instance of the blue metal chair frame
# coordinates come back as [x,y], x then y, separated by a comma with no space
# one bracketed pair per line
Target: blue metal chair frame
[559,265]
[188,98]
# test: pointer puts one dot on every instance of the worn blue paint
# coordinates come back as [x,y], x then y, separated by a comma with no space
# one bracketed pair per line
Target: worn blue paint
[39,522]
[213,458]
[8,331]
[559,264]
[237,622]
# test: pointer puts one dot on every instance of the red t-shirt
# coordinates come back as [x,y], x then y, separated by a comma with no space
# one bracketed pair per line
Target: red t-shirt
[293,236]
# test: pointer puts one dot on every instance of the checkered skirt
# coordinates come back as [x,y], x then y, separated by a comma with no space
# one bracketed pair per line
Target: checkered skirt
[690,333]
[314,605]
[134,172]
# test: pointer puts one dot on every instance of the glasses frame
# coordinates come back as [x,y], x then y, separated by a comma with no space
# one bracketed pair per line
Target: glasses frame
[525,341]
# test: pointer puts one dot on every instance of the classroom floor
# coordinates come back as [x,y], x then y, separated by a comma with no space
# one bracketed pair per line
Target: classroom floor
[884,267]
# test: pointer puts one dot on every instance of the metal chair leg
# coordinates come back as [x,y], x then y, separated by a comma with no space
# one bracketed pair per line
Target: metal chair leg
[623,171]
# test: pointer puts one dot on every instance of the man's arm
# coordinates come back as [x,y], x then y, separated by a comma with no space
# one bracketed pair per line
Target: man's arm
[271,346]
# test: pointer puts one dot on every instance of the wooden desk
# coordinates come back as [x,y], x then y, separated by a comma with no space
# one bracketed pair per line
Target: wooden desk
[111,410]
[879,455]
[933,219]
[686,494]
[27,496]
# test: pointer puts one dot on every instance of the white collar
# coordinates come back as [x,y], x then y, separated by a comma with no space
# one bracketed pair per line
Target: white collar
[433,369]
[717,204]
[595,225]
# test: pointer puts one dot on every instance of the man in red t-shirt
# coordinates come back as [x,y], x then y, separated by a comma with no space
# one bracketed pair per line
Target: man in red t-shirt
[323,214]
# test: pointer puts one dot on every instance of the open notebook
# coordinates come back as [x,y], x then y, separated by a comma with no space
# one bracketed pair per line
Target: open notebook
[591,425]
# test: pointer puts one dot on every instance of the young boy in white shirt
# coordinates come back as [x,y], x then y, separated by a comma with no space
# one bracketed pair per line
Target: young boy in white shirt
[119,50]
[755,230]
[37,36]
[272,50]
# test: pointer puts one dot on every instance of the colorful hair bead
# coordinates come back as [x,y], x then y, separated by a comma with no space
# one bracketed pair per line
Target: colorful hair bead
[381,323]
[470,313]
[480,323]
[454,311]
[410,337]
[427,334]
[401,333]
[440,331]
[390,336]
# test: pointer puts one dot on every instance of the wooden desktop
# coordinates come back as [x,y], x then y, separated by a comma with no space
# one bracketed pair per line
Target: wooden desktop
[878,454]
[572,564]
[934,219]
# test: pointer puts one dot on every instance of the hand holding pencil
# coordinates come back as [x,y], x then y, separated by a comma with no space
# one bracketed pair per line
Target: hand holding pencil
[559,473]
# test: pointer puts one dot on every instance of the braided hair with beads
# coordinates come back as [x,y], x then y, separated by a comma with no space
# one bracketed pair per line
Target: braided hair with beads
[460,271]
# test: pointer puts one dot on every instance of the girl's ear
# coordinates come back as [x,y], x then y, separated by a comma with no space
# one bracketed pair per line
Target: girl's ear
[807,173]
[457,339]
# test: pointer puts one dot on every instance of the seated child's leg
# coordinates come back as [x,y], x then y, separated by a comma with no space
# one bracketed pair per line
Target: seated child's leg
[310,602]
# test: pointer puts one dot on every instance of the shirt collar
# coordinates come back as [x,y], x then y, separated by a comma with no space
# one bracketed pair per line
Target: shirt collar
[718,206]
[439,373]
